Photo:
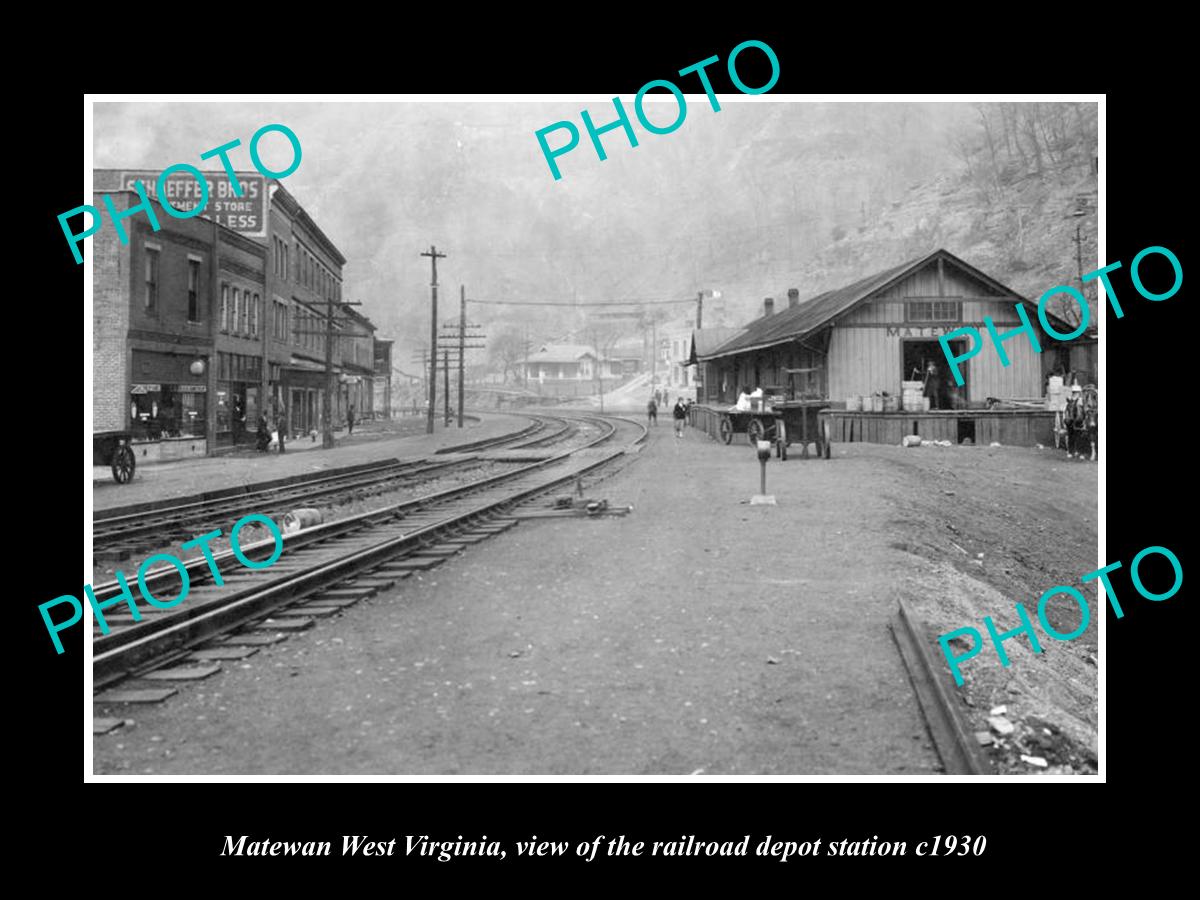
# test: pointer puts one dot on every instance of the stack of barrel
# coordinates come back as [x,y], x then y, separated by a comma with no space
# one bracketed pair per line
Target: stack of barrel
[913,396]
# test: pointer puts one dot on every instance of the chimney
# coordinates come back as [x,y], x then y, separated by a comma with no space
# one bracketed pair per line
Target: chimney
[793,297]
[769,306]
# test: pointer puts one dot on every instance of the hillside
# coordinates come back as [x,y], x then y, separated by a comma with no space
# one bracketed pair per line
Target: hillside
[1015,222]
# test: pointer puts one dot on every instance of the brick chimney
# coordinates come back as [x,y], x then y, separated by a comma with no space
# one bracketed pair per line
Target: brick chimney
[769,306]
[793,297]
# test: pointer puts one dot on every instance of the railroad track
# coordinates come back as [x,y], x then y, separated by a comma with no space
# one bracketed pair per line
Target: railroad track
[119,532]
[952,740]
[321,571]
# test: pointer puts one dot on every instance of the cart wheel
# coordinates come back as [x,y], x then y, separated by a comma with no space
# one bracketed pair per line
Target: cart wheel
[123,464]
[755,432]
[726,430]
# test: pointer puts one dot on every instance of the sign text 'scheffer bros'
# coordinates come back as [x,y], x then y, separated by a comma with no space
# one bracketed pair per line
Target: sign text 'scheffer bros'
[245,214]
[182,191]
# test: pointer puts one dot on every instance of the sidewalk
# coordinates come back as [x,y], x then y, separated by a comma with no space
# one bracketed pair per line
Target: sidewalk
[245,465]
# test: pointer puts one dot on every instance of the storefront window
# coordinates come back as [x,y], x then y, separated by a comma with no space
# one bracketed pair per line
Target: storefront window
[160,411]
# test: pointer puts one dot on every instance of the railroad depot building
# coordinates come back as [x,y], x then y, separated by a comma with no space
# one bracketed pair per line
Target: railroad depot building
[854,346]
[188,319]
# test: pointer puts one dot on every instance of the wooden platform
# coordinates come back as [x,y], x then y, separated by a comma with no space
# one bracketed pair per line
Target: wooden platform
[1009,427]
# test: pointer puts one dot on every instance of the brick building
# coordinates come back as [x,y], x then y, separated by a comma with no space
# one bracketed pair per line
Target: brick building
[306,286]
[165,323]
[200,328]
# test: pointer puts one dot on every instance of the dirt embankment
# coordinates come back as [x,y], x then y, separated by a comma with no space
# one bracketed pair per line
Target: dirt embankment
[993,527]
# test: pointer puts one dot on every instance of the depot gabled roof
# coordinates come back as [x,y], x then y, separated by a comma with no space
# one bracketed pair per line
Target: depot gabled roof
[817,312]
[705,341]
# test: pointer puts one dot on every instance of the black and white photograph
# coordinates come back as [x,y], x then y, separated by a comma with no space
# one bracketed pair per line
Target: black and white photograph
[691,434]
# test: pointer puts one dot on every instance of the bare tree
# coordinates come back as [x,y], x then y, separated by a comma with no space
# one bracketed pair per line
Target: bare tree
[507,349]
[1029,129]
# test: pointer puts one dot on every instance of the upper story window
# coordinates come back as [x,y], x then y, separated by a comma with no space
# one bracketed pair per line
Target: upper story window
[224,307]
[933,311]
[235,319]
[151,298]
[193,290]
[254,314]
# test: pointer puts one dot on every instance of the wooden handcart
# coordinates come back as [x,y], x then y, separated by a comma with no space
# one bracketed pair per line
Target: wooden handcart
[782,423]
[112,448]
[801,420]
[752,423]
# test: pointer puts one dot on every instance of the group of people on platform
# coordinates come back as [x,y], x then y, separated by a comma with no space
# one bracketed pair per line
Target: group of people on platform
[679,412]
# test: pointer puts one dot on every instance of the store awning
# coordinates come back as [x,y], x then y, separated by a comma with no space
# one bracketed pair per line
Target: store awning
[304,365]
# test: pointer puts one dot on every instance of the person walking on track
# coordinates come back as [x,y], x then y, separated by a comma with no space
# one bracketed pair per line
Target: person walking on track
[652,412]
[680,413]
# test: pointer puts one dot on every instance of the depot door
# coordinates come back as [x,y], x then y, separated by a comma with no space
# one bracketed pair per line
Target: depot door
[915,357]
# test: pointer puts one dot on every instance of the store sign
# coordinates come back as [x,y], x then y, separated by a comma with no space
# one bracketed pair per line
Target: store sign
[242,214]
[177,388]
[920,331]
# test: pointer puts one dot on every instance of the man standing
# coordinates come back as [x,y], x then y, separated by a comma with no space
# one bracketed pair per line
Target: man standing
[679,413]
[652,412]
[350,420]
[238,422]
[933,383]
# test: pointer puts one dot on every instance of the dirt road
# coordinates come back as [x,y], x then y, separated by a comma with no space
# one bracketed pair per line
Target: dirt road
[696,635]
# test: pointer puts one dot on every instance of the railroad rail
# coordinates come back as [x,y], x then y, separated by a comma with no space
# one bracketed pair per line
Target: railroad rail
[337,560]
[959,753]
[120,531]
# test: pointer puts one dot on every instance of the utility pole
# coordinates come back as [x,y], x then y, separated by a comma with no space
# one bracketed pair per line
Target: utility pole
[699,310]
[457,333]
[653,352]
[1079,253]
[525,367]
[434,256]
[1078,214]
[597,385]
[270,261]
[462,346]
[446,377]
[327,400]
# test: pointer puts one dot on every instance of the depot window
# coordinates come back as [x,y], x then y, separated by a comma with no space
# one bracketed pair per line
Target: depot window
[933,311]
[224,307]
